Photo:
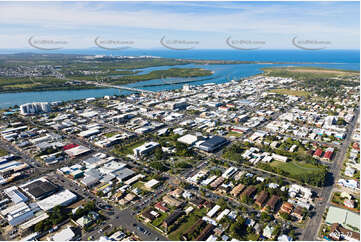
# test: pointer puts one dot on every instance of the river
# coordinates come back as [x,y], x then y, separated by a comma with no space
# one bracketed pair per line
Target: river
[222,73]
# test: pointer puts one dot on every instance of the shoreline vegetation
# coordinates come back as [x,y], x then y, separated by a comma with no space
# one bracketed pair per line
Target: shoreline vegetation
[122,71]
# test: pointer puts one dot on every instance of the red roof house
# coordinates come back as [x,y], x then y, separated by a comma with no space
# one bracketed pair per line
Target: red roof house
[318,153]
[327,155]
[160,207]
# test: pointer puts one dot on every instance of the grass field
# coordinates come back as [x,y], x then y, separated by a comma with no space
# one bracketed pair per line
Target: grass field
[111,134]
[235,134]
[291,92]
[309,72]
[319,70]
[126,150]
[294,167]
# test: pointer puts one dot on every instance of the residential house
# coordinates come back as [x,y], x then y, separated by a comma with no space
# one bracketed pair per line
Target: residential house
[196,201]
[159,206]
[261,198]
[172,218]
[248,192]
[171,201]
[298,213]
[267,231]
[286,208]
[237,190]
[271,204]
[317,153]
[146,214]
[205,232]
[176,193]
[338,233]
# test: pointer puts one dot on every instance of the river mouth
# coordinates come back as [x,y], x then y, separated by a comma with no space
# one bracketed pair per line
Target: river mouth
[221,73]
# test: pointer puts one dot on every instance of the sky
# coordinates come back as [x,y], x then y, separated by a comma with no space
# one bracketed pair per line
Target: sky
[197,25]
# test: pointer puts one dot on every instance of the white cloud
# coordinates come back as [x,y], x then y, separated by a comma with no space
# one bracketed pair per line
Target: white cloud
[98,18]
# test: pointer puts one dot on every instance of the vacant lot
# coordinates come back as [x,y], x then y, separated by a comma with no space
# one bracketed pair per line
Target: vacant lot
[291,92]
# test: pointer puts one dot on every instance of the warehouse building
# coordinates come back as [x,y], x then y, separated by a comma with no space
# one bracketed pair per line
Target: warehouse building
[63,198]
[32,222]
[39,189]
[17,214]
[77,151]
[15,195]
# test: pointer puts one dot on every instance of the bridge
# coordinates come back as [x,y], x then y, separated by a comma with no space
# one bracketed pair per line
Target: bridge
[120,87]
[101,84]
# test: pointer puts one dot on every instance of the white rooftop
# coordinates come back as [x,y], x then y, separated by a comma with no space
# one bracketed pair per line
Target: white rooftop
[64,235]
[61,198]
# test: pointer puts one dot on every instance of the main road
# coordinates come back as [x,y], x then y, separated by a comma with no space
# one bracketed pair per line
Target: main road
[311,231]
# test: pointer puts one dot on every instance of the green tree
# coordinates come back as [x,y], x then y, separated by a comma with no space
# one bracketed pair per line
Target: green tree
[158,166]
[265,217]
[158,153]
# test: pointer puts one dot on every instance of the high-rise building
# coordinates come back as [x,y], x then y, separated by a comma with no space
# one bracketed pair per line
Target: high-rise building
[32,108]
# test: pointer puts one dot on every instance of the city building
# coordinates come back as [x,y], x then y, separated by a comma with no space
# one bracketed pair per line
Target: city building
[17,214]
[39,189]
[15,195]
[145,149]
[33,108]
[63,198]
[213,143]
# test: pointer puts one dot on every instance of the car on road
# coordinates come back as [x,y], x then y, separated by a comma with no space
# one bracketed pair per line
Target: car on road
[140,229]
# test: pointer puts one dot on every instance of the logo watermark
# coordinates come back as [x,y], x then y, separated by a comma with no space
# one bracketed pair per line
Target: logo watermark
[46,44]
[178,44]
[113,44]
[310,44]
[244,44]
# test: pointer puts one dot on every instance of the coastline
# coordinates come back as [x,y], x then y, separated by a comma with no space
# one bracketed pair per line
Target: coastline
[62,94]
[190,81]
